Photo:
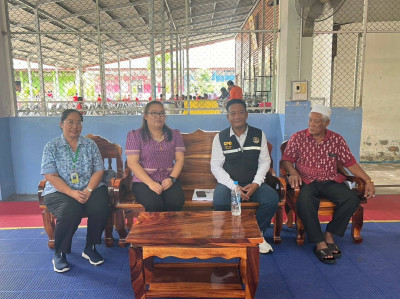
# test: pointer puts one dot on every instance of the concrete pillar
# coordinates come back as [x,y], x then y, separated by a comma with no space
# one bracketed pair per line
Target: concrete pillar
[31,98]
[119,77]
[163,74]
[56,88]
[79,78]
[152,54]
[171,51]
[7,95]
[287,53]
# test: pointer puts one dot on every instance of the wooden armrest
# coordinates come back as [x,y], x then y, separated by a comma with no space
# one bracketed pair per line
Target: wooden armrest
[283,172]
[41,186]
[295,191]
[277,184]
[360,185]
[121,186]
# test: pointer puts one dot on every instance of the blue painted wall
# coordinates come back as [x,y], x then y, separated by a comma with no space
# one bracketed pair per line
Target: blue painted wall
[345,121]
[6,170]
[30,134]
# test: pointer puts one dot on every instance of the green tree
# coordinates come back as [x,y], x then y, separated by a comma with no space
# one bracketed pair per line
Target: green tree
[201,82]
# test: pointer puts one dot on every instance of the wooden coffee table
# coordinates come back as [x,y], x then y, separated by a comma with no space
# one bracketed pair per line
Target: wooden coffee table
[194,234]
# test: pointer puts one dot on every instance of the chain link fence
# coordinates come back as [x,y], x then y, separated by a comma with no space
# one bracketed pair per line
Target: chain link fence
[339,45]
[112,57]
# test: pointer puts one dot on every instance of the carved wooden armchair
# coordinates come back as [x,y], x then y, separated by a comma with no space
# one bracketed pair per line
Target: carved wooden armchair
[110,151]
[326,207]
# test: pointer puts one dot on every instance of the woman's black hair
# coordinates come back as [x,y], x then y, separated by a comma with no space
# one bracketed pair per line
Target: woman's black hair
[67,112]
[145,129]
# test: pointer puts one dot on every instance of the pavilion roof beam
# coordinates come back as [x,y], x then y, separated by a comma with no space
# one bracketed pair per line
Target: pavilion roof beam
[215,7]
[105,9]
[118,41]
[219,19]
[144,15]
[211,13]
[110,48]
[83,20]
[201,41]
[44,47]
[145,45]
[219,27]
[236,7]
[169,13]
[137,12]
[91,12]
[57,22]
[197,23]
[60,24]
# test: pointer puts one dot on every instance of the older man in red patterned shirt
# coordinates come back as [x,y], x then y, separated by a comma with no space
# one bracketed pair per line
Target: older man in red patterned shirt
[314,152]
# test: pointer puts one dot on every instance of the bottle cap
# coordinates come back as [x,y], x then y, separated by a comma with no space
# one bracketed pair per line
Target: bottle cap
[236,182]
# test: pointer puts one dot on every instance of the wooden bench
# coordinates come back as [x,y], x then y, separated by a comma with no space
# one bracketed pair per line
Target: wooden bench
[196,174]
[110,151]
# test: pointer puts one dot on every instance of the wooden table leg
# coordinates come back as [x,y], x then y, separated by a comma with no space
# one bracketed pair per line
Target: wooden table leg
[253,269]
[137,272]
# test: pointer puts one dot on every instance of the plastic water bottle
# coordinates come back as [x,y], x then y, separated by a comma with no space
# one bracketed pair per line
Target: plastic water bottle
[235,200]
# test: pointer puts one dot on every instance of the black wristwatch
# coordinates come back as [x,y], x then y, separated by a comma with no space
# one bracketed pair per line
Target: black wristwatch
[172,179]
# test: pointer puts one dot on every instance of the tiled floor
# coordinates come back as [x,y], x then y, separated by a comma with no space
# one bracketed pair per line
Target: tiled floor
[385,175]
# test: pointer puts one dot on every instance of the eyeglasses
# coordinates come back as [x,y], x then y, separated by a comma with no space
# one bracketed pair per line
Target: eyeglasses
[71,123]
[155,114]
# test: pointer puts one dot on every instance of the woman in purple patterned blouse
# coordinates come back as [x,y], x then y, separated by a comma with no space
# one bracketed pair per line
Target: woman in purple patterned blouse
[151,152]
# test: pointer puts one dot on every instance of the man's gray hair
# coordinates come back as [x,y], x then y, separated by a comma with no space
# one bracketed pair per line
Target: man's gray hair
[325,118]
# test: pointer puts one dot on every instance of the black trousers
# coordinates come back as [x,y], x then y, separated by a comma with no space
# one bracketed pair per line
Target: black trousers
[69,214]
[171,199]
[345,199]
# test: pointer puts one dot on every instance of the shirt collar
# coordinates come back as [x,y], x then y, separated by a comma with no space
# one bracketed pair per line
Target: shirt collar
[64,142]
[231,133]
[328,134]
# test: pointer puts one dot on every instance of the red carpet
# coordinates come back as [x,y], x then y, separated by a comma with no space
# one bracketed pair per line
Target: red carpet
[382,208]
[22,214]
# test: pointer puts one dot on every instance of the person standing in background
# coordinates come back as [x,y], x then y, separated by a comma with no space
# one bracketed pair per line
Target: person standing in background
[235,92]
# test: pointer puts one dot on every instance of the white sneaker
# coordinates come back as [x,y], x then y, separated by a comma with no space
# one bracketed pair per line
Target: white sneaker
[264,247]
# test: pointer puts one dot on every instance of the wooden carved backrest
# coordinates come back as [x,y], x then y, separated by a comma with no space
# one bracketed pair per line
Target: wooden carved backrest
[196,170]
[109,151]
[281,168]
[270,152]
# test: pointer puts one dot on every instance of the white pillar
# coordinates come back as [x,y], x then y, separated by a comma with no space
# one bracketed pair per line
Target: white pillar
[294,54]
[152,54]
[287,52]
[8,105]
[30,80]
[57,86]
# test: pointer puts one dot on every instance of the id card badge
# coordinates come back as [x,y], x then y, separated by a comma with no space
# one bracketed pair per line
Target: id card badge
[74,177]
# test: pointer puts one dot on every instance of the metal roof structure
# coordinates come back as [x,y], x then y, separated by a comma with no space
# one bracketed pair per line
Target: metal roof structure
[71,30]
